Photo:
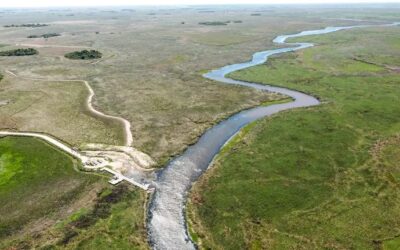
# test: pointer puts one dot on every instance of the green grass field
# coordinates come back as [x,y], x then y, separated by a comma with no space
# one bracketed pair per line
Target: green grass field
[47,202]
[325,177]
[35,180]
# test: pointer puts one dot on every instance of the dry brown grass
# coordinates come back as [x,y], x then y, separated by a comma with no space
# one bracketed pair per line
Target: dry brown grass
[151,71]
[56,108]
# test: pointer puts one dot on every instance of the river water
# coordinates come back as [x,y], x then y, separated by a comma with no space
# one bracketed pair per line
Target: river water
[166,221]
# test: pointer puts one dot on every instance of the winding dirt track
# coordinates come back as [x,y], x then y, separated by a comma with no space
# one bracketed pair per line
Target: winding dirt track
[94,162]
[50,140]
[89,102]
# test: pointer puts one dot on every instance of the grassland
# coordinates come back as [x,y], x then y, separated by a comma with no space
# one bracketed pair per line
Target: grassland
[150,72]
[56,108]
[36,181]
[33,171]
[122,229]
[325,177]
[47,202]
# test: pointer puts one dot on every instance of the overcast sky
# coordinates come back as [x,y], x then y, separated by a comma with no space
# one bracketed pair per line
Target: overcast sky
[49,3]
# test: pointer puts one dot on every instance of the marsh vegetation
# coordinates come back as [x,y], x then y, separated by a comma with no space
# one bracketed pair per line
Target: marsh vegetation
[214,23]
[19,52]
[48,202]
[84,55]
[26,25]
[320,177]
[36,180]
[150,73]
[47,35]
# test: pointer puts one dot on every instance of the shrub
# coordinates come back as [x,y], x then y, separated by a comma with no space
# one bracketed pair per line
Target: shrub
[19,52]
[84,55]
[215,23]
[47,35]
[29,25]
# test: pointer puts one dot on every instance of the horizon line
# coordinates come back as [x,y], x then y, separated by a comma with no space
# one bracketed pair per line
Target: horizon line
[200,4]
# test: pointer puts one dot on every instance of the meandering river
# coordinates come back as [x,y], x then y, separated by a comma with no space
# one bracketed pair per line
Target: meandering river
[166,221]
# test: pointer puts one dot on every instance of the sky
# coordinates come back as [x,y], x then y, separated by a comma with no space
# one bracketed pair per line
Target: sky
[52,3]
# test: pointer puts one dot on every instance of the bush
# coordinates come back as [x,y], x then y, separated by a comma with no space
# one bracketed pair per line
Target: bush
[29,25]
[84,55]
[44,35]
[215,23]
[19,52]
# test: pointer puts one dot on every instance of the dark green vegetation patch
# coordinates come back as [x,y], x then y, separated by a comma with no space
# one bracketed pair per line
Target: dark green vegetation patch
[29,25]
[215,23]
[19,52]
[47,35]
[219,23]
[326,177]
[84,55]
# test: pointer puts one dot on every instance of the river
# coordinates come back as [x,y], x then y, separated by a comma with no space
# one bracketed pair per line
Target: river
[166,222]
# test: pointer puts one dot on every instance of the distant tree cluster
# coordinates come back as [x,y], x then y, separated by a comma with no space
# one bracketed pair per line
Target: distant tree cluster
[217,23]
[256,14]
[47,35]
[84,55]
[129,10]
[19,52]
[29,25]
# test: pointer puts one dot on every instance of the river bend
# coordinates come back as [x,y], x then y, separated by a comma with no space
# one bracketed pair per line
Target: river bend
[166,221]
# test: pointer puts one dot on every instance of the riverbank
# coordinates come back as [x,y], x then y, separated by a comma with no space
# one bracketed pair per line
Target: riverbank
[167,225]
[324,177]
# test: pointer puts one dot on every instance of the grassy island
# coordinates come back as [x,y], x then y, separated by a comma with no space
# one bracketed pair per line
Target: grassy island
[28,25]
[84,55]
[47,35]
[19,52]
[215,23]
